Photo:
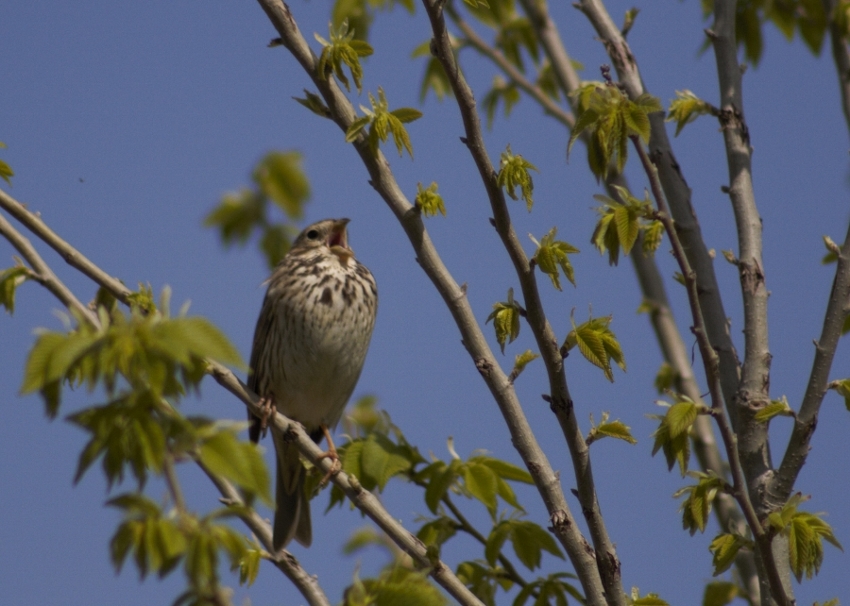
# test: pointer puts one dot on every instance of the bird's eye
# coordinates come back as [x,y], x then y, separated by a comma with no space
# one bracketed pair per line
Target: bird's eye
[313,234]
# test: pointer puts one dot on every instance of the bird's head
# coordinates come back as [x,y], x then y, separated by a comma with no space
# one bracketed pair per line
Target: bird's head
[331,233]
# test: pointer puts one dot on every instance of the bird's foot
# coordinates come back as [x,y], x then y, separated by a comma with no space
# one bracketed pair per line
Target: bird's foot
[267,409]
[331,454]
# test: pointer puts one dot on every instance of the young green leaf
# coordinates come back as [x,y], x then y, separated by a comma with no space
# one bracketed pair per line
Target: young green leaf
[429,201]
[502,91]
[240,462]
[686,108]
[314,103]
[10,279]
[521,361]
[505,316]
[614,429]
[724,549]
[620,223]
[842,387]
[528,540]
[696,508]
[650,599]
[720,593]
[382,123]
[666,378]
[6,171]
[653,233]
[552,254]
[342,49]
[673,430]
[513,173]
[597,343]
[776,407]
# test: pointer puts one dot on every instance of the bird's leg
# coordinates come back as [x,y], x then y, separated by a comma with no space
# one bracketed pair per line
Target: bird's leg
[267,409]
[331,454]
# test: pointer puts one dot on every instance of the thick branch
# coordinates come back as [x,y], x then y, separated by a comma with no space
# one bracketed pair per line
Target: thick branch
[306,583]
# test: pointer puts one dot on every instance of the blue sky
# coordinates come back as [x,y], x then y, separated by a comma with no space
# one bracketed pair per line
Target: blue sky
[127,122]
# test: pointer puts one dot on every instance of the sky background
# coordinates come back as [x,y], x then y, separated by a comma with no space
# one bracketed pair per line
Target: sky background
[127,122]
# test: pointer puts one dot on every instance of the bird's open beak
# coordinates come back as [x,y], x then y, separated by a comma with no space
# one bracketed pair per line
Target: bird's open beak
[338,241]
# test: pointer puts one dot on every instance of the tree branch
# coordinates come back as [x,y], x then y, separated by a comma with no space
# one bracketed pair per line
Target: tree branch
[607,562]
[306,583]
[678,195]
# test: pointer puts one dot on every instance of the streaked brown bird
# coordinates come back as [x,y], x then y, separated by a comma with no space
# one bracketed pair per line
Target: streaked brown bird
[309,347]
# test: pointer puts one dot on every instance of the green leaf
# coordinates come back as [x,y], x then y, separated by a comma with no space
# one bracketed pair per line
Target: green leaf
[505,317]
[382,123]
[842,387]
[597,343]
[528,539]
[776,407]
[5,170]
[429,201]
[505,470]
[696,508]
[481,482]
[343,49]
[504,92]
[724,549]
[614,429]
[380,460]
[442,480]
[437,532]
[653,233]
[202,338]
[672,433]
[666,378]
[513,173]
[521,361]
[10,279]
[686,108]
[240,462]
[281,179]
[249,566]
[720,593]
[314,103]
[551,254]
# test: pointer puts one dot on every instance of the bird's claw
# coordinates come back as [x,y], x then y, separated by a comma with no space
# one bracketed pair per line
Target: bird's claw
[266,412]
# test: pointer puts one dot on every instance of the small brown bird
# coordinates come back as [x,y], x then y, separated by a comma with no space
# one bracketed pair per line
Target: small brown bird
[309,347]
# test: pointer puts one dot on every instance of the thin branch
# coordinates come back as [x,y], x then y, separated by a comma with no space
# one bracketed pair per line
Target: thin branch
[607,563]
[306,583]
[510,70]
[32,221]
[712,370]
[364,500]
[841,57]
[42,273]
[799,444]
[535,460]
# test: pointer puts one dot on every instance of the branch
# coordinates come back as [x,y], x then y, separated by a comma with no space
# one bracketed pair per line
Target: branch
[712,370]
[41,272]
[516,76]
[306,583]
[607,562]
[364,500]
[840,56]
[32,221]
[804,424]
[678,195]
[545,479]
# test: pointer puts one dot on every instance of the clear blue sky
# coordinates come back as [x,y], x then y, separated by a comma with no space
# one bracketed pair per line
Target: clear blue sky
[125,124]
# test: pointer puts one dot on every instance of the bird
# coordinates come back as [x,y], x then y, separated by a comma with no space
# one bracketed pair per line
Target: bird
[310,343]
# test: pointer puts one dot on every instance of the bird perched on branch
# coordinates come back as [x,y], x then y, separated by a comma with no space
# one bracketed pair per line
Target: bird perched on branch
[309,347]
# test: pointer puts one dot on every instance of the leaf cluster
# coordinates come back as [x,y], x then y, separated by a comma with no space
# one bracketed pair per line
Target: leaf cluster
[395,585]
[278,179]
[622,221]
[696,508]
[552,254]
[597,343]
[686,108]
[513,173]
[609,429]
[505,317]
[805,532]
[674,429]
[343,49]
[609,117]
[429,201]
[382,122]
[160,540]
[807,18]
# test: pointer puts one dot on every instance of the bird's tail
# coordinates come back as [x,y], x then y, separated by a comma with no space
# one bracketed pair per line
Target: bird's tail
[292,511]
